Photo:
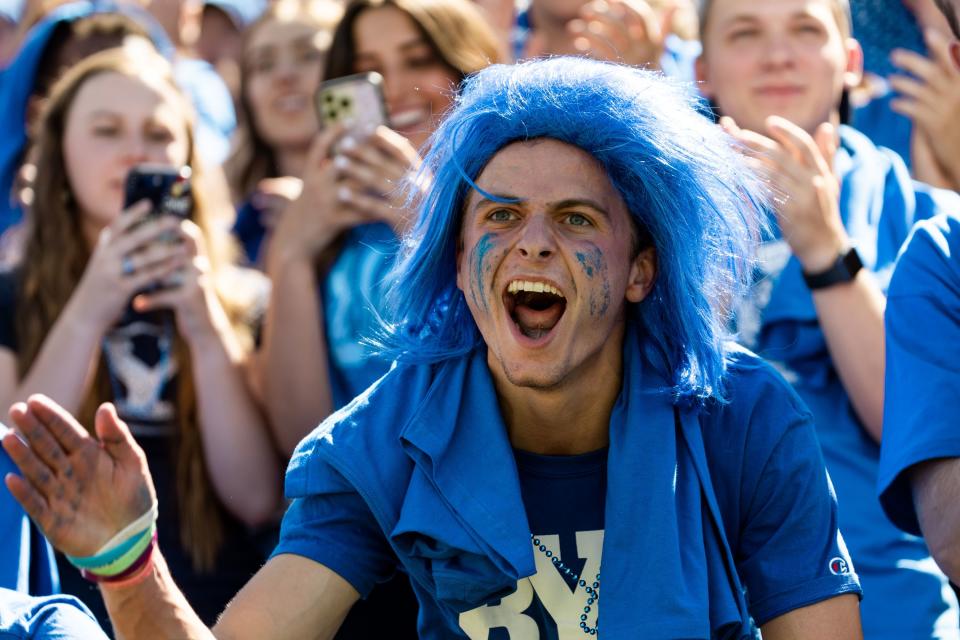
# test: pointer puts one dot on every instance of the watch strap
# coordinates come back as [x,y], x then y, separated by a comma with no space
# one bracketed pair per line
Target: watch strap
[843,270]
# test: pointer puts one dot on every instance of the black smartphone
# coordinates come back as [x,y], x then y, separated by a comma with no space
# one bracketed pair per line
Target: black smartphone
[169,191]
[167,188]
[355,101]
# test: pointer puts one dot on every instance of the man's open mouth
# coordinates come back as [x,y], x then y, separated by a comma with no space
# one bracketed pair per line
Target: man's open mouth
[535,307]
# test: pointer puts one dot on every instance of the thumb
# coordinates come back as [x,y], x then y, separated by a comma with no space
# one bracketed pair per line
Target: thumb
[114,434]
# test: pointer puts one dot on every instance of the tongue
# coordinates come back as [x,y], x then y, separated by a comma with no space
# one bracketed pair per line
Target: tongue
[534,323]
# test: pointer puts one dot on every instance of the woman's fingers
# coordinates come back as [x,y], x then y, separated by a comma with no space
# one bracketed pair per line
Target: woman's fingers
[130,217]
[153,230]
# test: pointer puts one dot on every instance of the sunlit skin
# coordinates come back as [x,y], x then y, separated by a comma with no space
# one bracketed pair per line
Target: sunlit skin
[116,122]
[284,63]
[418,86]
[569,229]
[786,58]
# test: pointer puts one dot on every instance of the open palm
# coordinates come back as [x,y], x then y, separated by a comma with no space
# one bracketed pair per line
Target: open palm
[80,490]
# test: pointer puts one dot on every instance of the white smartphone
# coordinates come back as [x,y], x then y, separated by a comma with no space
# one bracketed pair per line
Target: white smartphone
[354,101]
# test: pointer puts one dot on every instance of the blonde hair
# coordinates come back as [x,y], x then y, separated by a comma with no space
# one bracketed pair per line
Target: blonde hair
[252,158]
[56,255]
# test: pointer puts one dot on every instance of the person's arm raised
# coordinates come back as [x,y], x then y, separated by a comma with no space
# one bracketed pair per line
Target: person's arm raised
[850,313]
[82,490]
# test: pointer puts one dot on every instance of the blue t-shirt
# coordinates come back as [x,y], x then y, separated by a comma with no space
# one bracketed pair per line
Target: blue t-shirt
[444,502]
[905,595]
[27,563]
[921,412]
[564,500]
[61,617]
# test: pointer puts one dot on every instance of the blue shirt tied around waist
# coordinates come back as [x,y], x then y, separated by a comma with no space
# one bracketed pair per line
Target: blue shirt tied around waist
[905,593]
[739,489]
[921,420]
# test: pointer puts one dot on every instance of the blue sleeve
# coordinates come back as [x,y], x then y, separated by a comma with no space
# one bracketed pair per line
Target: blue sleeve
[336,529]
[922,386]
[790,552]
[49,618]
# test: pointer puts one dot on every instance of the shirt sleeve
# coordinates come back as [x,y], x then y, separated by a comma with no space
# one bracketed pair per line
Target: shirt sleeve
[336,529]
[790,553]
[920,420]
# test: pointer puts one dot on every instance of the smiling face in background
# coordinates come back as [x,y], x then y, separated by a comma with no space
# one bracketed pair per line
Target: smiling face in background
[418,86]
[284,62]
[546,278]
[116,122]
[777,57]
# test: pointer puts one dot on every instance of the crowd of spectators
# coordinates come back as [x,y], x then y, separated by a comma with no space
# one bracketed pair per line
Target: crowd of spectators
[223,339]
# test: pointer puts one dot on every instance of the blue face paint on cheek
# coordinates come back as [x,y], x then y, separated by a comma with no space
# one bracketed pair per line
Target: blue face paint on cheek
[479,256]
[593,264]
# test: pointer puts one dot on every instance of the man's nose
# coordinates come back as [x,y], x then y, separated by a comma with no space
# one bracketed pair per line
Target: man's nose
[536,238]
[778,52]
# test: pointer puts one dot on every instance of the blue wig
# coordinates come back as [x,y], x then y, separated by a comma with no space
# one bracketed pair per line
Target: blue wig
[681,177]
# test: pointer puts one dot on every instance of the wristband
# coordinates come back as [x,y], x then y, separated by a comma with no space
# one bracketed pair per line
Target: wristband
[136,576]
[117,555]
[845,269]
[145,557]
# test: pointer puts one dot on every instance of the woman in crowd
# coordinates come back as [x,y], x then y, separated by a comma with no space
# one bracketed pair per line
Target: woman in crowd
[134,308]
[339,235]
[281,65]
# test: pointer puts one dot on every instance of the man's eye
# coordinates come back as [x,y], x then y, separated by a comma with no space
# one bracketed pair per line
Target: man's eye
[501,215]
[743,34]
[579,220]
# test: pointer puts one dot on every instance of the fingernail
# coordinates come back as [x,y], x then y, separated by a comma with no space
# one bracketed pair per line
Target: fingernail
[341,162]
[348,143]
[344,194]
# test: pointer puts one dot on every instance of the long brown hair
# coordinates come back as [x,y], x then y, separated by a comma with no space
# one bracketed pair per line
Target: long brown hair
[455,30]
[252,158]
[56,255]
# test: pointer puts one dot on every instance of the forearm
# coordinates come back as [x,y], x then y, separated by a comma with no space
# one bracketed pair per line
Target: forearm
[294,359]
[64,367]
[936,485]
[153,608]
[237,447]
[851,317]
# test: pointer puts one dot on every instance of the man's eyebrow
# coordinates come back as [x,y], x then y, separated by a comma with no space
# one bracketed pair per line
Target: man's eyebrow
[739,18]
[572,203]
[498,199]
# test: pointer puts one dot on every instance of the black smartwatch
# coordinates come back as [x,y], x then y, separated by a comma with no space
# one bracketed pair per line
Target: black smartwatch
[843,270]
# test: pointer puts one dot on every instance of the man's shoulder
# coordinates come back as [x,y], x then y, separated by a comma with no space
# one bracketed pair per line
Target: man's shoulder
[753,381]
[367,428]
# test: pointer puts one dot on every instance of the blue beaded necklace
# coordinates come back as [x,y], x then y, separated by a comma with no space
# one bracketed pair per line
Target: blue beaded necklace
[593,591]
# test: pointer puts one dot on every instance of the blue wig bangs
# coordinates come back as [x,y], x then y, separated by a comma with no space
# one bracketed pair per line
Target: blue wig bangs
[681,177]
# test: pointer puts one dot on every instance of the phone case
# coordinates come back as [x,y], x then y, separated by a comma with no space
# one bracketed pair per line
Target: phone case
[167,188]
[354,101]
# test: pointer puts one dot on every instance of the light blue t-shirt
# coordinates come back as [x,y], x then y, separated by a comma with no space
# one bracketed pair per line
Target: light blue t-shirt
[60,617]
[921,412]
[905,594]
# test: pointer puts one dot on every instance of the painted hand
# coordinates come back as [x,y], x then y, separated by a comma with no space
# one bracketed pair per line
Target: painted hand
[805,190]
[79,489]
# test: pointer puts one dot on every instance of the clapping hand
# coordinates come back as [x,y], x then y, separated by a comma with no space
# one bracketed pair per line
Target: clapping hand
[807,193]
[78,488]
[931,98]
[626,31]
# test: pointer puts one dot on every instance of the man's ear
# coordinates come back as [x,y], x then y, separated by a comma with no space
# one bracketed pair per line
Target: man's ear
[853,74]
[459,258]
[703,77]
[643,273]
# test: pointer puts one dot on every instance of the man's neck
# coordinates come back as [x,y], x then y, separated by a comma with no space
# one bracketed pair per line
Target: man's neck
[570,418]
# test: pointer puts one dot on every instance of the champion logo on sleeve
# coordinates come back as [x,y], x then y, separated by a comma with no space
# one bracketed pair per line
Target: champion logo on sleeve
[839,567]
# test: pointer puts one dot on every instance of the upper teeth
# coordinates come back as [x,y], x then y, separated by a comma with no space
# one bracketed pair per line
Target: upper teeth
[535,287]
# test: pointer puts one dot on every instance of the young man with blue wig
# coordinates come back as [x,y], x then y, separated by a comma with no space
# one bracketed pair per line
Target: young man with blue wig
[567,446]
[776,71]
